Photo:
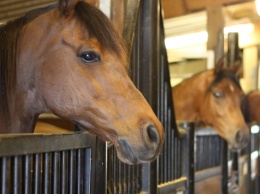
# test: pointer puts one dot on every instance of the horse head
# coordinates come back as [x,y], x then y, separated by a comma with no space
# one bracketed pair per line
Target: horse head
[224,97]
[71,62]
[213,98]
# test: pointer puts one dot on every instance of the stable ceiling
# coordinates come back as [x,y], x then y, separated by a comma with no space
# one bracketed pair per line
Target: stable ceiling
[181,16]
[174,8]
[190,17]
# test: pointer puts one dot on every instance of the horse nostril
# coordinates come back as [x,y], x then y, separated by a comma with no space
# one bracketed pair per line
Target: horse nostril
[153,134]
[239,136]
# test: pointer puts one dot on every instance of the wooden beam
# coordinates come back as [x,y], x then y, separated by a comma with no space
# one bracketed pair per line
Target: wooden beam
[215,27]
[174,8]
[202,4]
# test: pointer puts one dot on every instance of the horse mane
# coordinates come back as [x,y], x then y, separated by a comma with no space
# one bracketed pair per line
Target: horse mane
[9,34]
[225,73]
[95,21]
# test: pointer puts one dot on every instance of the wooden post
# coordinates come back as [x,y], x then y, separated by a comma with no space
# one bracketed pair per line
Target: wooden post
[215,27]
[117,15]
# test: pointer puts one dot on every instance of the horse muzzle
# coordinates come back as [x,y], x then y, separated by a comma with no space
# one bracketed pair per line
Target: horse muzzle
[143,150]
[241,140]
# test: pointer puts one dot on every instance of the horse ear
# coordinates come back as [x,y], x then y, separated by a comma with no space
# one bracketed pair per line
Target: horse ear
[67,7]
[237,68]
[219,66]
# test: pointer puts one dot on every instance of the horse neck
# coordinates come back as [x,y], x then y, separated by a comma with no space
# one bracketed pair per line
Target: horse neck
[188,96]
[23,104]
[20,118]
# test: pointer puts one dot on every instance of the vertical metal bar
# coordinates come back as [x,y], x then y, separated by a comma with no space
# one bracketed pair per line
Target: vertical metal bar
[99,159]
[27,179]
[87,174]
[6,183]
[37,173]
[46,174]
[56,173]
[188,157]
[72,170]
[114,165]
[79,169]
[64,172]
[16,175]
[224,164]
[248,178]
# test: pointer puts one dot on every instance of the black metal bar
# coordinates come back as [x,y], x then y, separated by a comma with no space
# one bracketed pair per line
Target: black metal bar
[248,177]
[224,164]
[79,170]
[188,156]
[72,171]
[37,173]
[27,180]
[56,173]
[16,175]
[23,144]
[87,173]
[99,160]
[47,173]
[5,169]
[64,172]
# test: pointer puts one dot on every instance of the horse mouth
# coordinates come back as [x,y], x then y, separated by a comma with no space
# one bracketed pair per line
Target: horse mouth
[127,155]
[125,152]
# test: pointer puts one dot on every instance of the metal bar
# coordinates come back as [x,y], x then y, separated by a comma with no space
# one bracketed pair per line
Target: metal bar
[99,159]
[23,144]
[47,173]
[36,173]
[56,173]
[87,173]
[64,172]
[72,171]
[6,174]
[27,178]
[188,156]
[79,170]
[248,178]
[224,164]
[16,175]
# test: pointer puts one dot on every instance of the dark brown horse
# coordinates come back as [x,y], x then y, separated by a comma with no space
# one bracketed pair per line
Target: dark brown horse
[213,98]
[68,60]
[251,107]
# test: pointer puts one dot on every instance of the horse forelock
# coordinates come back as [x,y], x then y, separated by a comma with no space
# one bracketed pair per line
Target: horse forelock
[225,73]
[100,27]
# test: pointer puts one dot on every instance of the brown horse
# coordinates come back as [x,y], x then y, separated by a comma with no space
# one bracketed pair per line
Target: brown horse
[68,60]
[213,98]
[251,107]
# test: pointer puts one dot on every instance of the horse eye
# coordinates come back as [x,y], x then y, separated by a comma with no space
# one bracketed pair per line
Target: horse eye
[218,94]
[90,57]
